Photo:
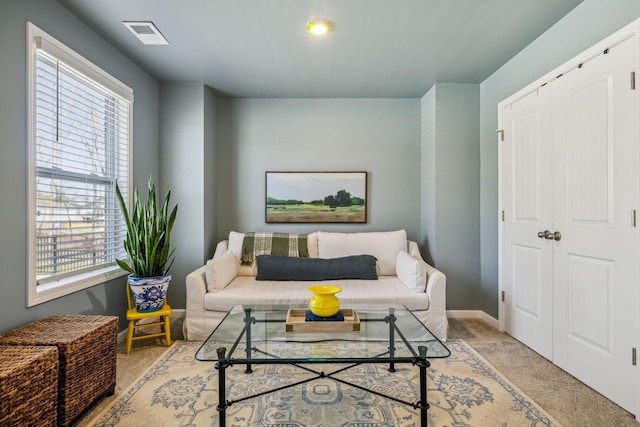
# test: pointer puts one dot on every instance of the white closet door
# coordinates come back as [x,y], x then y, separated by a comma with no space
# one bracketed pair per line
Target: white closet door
[527,202]
[595,276]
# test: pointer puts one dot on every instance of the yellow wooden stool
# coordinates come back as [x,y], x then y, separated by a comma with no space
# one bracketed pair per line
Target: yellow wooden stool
[133,316]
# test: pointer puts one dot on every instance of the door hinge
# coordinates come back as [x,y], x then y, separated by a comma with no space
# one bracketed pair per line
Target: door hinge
[633,218]
[633,356]
[502,216]
[502,297]
[501,132]
[633,80]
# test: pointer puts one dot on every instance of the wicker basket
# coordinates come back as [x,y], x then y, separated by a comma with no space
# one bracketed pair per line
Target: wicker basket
[28,386]
[87,358]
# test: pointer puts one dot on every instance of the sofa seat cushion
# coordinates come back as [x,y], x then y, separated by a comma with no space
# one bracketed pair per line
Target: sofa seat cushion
[246,290]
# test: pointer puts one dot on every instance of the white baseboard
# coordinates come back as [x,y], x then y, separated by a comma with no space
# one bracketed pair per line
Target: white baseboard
[179,313]
[454,314]
[175,314]
[474,314]
[122,336]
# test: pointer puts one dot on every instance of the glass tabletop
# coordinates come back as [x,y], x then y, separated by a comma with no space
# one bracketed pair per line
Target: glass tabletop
[278,334]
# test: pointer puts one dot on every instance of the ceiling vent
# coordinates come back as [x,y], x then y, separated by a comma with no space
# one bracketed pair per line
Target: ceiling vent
[146,32]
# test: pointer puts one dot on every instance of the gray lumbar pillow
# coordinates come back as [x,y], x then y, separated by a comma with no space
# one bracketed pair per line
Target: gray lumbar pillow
[275,267]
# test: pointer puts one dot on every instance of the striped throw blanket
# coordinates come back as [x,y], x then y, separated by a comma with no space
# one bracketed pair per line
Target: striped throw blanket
[283,244]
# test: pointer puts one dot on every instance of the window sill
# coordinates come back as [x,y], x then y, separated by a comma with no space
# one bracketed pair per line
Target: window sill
[59,288]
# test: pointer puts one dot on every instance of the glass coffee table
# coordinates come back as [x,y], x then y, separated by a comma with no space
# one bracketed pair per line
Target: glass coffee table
[260,334]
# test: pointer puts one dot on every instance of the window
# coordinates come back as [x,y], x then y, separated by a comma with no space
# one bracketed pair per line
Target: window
[79,145]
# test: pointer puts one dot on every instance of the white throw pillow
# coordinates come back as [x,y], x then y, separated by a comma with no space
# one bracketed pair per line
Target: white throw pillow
[411,272]
[221,271]
[382,245]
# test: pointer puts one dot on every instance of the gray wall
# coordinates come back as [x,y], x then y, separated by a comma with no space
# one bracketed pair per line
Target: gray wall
[451,202]
[187,153]
[380,136]
[428,176]
[210,156]
[109,298]
[590,22]
[218,178]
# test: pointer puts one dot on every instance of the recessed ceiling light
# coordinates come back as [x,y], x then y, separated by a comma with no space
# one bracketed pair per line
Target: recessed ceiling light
[146,32]
[318,27]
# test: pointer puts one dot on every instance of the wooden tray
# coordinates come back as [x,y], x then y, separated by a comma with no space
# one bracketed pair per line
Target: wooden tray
[296,322]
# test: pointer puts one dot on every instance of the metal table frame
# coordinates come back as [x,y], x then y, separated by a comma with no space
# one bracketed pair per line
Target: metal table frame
[419,359]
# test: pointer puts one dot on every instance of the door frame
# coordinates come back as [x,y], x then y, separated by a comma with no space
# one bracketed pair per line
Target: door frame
[630,30]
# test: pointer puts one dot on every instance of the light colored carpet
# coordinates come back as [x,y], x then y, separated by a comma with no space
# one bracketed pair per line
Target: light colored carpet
[464,390]
[566,398]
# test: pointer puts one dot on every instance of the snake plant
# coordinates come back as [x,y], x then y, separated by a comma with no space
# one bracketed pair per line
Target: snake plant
[148,238]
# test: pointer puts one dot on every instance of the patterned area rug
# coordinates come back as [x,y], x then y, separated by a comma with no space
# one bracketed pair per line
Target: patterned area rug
[464,390]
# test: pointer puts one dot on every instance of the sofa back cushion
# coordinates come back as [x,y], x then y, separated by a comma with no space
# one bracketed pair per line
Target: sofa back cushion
[274,267]
[382,245]
[235,246]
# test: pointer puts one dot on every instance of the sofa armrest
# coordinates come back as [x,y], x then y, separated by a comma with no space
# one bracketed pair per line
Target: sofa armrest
[196,287]
[437,290]
[436,282]
[196,284]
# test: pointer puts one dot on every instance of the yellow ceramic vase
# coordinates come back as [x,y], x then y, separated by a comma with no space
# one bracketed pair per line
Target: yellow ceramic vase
[324,302]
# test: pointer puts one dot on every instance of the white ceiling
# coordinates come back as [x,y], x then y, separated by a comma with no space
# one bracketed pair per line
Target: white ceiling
[377,48]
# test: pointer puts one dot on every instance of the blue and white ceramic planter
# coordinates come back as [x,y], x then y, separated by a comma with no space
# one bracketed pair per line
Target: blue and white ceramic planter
[148,293]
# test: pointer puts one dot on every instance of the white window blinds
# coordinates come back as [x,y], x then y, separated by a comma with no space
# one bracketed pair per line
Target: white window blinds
[81,146]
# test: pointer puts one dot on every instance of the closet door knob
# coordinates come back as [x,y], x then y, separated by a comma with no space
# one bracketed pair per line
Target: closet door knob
[550,236]
[546,234]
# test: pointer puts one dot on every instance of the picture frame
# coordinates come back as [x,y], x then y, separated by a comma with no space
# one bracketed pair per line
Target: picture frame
[315,197]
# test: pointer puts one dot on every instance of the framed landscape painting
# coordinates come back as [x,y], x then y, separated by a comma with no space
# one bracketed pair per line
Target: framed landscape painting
[316,197]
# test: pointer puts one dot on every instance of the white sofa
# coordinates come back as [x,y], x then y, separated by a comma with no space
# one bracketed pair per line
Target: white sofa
[403,278]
